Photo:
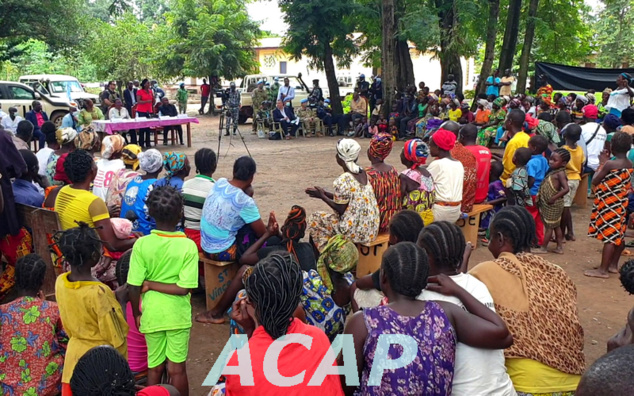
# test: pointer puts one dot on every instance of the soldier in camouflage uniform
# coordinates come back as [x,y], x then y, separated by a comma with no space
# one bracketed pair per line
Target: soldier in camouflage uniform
[259,95]
[264,116]
[233,104]
[308,117]
[274,90]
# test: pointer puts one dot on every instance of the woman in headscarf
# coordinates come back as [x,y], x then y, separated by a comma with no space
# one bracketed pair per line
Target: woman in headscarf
[88,140]
[356,213]
[417,185]
[448,175]
[605,97]
[482,113]
[384,179]
[496,119]
[538,302]
[133,204]
[109,164]
[66,140]
[89,113]
[577,108]
[621,98]
[121,179]
[177,168]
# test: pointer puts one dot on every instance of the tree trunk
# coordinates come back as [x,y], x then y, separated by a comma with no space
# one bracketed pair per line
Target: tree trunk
[510,35]
[528,44]
[389,56]
[405,73]
[489,50]
[331,77]
[449,60]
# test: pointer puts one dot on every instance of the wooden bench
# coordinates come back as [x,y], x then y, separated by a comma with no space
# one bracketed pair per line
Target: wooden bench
[469,225]
[581,197]
[218,276]
[370,254]
[41,222]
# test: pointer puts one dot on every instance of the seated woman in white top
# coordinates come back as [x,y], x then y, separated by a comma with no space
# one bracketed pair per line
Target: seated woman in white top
[448,175]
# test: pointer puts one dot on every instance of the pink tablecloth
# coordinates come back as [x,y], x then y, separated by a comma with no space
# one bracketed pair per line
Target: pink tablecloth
[110,127]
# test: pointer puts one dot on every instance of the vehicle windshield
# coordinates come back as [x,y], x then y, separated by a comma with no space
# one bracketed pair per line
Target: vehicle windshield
[62,86]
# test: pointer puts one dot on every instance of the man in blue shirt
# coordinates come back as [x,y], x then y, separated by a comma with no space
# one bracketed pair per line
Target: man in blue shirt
[24,191]
[493,84]
[70,119]
[537,167]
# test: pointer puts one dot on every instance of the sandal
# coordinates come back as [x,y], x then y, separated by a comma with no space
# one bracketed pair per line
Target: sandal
[626,253]
[630,244]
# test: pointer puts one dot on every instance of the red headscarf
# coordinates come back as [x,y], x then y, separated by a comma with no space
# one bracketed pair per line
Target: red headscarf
[380,146]
[444,139]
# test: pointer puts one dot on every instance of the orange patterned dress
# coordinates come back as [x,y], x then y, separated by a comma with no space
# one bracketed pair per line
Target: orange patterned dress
[608,220]
[387,190]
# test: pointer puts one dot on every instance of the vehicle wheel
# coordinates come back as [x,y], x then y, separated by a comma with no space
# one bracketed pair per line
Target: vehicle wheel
[56,118]
[242,118]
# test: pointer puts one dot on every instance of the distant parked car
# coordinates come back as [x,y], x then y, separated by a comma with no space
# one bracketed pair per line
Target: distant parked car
[59,86]
[21,96]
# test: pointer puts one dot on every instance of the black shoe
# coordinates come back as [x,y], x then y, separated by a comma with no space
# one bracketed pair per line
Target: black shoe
[227,134]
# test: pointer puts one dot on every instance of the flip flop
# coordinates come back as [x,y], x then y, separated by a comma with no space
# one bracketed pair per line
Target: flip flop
[626,253]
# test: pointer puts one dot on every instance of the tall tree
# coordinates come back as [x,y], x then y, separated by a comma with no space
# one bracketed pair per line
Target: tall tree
[322,31]
[510,35]
[489,50]
[388,53]
[209,38]
[615,32]
[449,58]
[528,44]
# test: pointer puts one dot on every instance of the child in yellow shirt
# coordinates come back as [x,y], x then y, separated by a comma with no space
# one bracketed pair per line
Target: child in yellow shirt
[573,172]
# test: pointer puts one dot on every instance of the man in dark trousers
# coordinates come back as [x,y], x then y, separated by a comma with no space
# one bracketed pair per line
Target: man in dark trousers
[204,96]
[129,96]
[37,116]
[285,116]
[167,109]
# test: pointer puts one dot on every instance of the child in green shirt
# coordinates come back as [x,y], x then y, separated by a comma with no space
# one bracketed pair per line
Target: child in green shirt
[181,98]
[164,267]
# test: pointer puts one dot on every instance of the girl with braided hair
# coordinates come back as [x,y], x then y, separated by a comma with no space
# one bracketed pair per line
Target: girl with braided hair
[90,311]
[435,326]
[273,292]
[538,302]
[550,199]
[30,325]
[477,371]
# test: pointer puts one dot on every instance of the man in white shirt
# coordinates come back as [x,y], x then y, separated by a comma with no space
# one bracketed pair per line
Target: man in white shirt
[286,93]
[10,122]
[593,135]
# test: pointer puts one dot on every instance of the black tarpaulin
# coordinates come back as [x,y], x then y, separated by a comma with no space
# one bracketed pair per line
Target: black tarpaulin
[571,78]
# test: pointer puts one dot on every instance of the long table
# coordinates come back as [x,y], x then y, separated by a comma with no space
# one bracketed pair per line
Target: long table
[112,126]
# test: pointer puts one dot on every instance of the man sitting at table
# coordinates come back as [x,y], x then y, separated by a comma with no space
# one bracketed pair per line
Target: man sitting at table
[167,109]
[118,113]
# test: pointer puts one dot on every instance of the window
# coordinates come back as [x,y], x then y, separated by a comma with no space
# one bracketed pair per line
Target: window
[62,86]
[21,93]
[282,67]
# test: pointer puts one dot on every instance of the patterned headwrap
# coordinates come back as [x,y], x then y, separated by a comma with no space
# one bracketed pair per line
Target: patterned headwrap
[111,145]
[339,255]
[547,99]
[87,139]
[591,98]
[348,150]
[294,228]
[65,135]
[150,161]
[416,151]
[380,146]
[173,162]
[130,155]
[499,102]
[444,139]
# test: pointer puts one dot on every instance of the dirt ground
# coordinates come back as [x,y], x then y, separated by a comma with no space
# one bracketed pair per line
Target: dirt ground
[286,168]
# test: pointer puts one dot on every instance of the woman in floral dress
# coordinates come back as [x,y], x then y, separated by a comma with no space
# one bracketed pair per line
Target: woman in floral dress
[356,214]
[417,185]
[496,119]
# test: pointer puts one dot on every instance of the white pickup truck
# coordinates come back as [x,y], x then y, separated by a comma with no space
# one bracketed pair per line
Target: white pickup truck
[250,82]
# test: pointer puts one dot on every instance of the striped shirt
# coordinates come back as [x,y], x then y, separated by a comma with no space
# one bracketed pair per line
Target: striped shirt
[195,191]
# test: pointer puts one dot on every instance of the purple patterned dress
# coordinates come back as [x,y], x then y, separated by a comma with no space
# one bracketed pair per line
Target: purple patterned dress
[431,372]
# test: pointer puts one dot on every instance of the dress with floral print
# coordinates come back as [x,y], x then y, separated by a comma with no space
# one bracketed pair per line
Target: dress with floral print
[359,223]
[32,347]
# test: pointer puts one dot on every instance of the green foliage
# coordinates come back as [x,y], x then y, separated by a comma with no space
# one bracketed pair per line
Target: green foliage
[313,24]
[209,38]
[125,50]
[615,33]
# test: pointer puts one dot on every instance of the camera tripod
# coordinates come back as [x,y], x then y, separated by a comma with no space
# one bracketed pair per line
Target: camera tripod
[226,113]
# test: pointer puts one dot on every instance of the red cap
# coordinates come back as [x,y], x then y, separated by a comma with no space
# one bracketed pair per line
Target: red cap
[591,111]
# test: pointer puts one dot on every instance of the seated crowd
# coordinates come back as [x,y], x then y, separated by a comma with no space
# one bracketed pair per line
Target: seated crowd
[133,226]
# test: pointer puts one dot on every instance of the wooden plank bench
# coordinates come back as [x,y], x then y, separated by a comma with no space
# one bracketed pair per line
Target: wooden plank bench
[41,222]
[469,225]
[218,276]
[370,254]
